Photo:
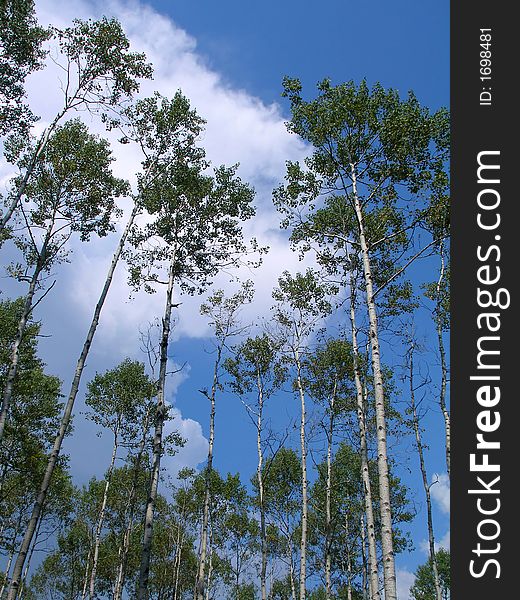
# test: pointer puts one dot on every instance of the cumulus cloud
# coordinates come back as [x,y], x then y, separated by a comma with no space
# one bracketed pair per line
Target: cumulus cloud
[240,129]
[405,580]
[440,491]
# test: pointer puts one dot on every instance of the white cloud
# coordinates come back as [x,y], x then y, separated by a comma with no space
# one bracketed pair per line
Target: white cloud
[440,491]
[405,581]
[240,128]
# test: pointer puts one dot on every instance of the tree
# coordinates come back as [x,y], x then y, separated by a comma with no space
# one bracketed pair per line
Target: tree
[160,145]
[301,302]
[368,146]
[413,409]
[424,587]
[116,399]
[330,372]
[223,313]
[282,479]
[100,76]
[256,367]
[195,230]
[21,53]
[72,192]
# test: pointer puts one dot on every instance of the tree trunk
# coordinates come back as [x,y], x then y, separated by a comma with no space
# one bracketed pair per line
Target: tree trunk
[85,576]
[303,541]
[420,451]
[390,584]
[328,517]
[373,572]
[101,518]
[263,533]
[210,566]
[160,415]
[22,325]
[364,578]
[123,551]
[201,573]
[65,421]
[291,570]
[349,560]
[29,559]
[442,353]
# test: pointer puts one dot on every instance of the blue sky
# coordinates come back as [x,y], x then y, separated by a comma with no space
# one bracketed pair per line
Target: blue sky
[229,58]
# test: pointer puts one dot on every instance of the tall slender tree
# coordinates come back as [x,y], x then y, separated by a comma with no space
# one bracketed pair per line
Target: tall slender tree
[375,158]
[72,192]
[224,315]
[195,229]
[301,302]
[101,75]
[256,368]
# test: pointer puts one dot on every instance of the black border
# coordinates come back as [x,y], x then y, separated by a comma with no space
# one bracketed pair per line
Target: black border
[477,128]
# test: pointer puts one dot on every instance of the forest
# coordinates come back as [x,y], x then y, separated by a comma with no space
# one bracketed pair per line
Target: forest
[327,510]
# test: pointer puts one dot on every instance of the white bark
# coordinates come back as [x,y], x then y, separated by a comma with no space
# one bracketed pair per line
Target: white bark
[390,584]
[303,447]
[201,573]
[444,368]
[263,533]
[373,573]
[101,517]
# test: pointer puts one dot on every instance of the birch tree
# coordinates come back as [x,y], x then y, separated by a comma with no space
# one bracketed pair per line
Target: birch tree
[256,368]
[115,399]
[224,315]
[414,408]
[72,193]
[301,302]
[160,140]
[99,74]
[193,232]
[376,156]
[329,371]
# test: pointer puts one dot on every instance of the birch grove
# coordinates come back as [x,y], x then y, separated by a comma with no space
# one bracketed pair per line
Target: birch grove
[294,369]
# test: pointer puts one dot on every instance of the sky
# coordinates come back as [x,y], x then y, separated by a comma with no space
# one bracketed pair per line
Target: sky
[229,59]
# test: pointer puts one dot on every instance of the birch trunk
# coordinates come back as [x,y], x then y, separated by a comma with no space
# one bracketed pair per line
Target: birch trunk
[85,576]
[373,572]
[263,533]
[201,573]
[328,518]
[444,368]
[349,560]
[22,325]
[291,570]
[101,518]
[29,559]
[160,415]
[123,553]
[420,451]
[364,578]
[65,420]
[303,541]
[390,585]
[210,566]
